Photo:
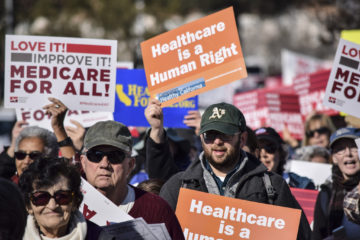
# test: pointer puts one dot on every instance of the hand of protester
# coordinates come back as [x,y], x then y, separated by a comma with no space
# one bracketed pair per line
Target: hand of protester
[193,119]
[18,127]
[154,116]
[286,136]
[352,121]
[76,134]
[57,111]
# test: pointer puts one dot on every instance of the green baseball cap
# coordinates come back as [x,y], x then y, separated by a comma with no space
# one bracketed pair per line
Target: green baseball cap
[223,117]
[110,133]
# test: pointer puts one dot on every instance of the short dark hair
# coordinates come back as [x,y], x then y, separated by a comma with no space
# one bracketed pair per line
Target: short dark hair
[13,212]
[45,172]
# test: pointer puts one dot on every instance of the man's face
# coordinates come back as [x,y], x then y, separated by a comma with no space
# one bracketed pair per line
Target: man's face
[222,151]
[104,175]
[345,155]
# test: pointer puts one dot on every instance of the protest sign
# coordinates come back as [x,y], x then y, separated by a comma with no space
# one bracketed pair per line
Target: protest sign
[318,172]
[194,58]
[132,97]
[307,199]
[99,209]
[311,90]
[294,64]
[80,72]
[209,216]
[352,35]
[38,117]
[342,90]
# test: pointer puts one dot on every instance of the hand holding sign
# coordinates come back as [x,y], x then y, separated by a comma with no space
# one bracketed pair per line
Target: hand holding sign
[76,134]
[193,119]
[154,116]
[18,127]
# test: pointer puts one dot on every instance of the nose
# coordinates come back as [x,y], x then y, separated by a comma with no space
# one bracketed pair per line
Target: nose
[218,140]
[27,159]
[52,204]
[104,162]
[348,151]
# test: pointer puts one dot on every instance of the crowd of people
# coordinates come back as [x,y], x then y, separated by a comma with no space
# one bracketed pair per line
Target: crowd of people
[41,170]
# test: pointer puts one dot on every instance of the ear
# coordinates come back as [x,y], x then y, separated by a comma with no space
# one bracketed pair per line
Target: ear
[243,138]
[83,162]
[334,160]
[131,165]
[29,210]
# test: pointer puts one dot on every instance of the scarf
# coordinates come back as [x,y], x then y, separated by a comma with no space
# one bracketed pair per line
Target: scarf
[77,229]
[340,187]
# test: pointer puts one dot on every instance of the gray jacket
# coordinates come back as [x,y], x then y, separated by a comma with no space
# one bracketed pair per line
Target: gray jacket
[246,183]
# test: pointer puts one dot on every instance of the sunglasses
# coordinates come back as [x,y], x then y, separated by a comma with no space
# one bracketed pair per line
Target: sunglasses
[61,197]
[211,136]
[35,155]
[322,130]
[114,157]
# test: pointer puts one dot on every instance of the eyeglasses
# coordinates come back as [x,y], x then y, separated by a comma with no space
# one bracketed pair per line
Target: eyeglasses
[114,157]
[61,197]
[20,155]
[212,135]
[322,130]
[341,152]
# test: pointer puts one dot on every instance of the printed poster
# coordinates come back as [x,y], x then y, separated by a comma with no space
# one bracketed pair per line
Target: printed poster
[132,97]
[78,71]
[209,216]
[342,91]
[194,58]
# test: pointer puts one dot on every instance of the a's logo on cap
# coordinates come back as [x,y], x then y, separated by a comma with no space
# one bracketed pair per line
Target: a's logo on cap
[217,113]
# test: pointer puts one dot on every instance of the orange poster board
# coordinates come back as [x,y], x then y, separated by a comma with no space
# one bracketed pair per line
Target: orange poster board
[193,58]
[217,217]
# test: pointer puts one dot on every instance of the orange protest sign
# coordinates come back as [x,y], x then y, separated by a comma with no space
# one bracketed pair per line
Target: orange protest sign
[208,216]
[193,58]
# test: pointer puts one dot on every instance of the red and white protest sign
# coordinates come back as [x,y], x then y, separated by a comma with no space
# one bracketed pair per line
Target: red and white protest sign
[311,90]
[80,72]
[342,91]
[307,200]
[97,208]
[38,117]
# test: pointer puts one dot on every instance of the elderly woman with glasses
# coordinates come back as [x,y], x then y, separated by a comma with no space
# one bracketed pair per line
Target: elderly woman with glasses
[51,189]
[329,218]
[31,143]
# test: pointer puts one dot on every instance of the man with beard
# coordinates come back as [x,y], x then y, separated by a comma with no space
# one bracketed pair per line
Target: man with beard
[223,168]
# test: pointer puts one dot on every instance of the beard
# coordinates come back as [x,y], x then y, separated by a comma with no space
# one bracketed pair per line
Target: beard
[232,157]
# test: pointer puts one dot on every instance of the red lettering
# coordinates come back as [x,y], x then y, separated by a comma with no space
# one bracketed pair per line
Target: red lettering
[39,115]
[23,45]
[353,52]
[340,73]
[354,80]
[17,71]
[350,92]
[94,93]
[31,71]
[44,72]
[61,73]
[14,84]
[69,89]
[25,115]
[92,74]
[78,74]
[45,86]
[12,46]
[70,112]
[104,75]
[82,90]
[30,86]
[336,86]
[88,214]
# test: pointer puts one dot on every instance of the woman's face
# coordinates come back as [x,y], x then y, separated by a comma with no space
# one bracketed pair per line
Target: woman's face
[53,218]
[29,145]
[345,155]
[269,155]
[318,134]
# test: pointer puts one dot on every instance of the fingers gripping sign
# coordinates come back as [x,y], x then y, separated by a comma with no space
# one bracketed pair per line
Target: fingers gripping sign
[154,115]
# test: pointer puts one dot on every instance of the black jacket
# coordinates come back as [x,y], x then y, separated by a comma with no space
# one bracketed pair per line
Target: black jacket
[251,188]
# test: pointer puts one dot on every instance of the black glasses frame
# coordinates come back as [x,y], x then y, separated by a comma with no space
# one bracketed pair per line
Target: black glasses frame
[114,157]
[21,155]
[61,197]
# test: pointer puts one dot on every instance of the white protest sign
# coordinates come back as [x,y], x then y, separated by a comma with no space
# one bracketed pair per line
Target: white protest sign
[357,141]
[342,90]
[318,172]
[99,209]
[38,117]
[80,72]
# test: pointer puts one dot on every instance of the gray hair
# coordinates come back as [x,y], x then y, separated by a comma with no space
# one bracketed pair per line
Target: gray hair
[51,148]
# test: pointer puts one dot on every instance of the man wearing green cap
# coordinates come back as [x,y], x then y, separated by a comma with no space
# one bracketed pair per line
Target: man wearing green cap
[223,168]
[107,163]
